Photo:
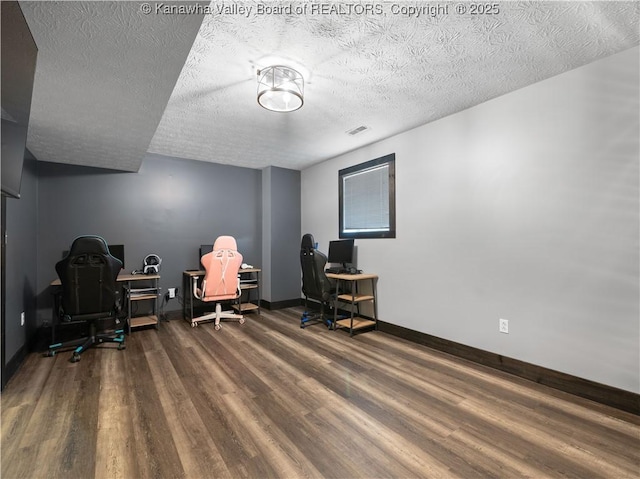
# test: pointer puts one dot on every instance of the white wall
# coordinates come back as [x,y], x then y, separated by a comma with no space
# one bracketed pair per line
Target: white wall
[525,208]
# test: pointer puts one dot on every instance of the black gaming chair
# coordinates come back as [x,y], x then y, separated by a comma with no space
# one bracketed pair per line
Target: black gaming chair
[89,293]
[315,284]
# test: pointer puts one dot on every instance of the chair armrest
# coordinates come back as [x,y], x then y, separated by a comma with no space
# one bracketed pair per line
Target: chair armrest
[57,303]
[118,303]
[196,291]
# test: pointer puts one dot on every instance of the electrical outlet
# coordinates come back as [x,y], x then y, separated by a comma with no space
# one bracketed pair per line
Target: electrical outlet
[22,319]
[172,292]
[504,326]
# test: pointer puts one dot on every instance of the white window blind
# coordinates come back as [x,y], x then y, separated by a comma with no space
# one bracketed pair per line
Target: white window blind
[366,200]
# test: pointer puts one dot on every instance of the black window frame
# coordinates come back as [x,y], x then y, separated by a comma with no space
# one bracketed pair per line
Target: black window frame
[390,161]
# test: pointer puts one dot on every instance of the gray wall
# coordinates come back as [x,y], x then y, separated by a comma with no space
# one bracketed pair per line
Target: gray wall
[281,226]
[21,266]
[170,207]
[524,208]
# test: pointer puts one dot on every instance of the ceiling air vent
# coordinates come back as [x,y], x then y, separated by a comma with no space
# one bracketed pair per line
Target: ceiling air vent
[357,130]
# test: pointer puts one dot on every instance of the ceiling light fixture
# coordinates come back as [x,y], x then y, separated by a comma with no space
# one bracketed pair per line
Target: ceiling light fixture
[280,88]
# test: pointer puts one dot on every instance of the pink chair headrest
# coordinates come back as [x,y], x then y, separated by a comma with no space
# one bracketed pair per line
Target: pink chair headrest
[225,242]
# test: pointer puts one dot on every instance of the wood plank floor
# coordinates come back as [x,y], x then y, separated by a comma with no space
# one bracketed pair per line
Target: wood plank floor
[268,399]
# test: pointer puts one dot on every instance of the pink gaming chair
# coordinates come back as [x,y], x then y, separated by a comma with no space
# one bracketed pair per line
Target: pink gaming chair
[221,281]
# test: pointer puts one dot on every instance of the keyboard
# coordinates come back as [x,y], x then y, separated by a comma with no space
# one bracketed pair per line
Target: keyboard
[334,270]
[341,271]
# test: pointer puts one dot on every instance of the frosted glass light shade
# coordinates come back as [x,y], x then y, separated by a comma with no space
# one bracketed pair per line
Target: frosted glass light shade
[280,88]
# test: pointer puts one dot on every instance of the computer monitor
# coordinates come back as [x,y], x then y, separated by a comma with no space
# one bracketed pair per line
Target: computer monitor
[204,249]
[341,251]
[117,251]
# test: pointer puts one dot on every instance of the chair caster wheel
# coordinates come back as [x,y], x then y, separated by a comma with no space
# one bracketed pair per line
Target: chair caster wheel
[217,327]
[75,358]
[121,347]
[50,354]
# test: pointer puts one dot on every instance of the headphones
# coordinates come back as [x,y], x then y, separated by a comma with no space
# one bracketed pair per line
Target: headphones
[151,265]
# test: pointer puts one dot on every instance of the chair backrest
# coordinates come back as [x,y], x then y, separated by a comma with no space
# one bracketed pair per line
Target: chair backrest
[221,270]
[89,278]
[315,284]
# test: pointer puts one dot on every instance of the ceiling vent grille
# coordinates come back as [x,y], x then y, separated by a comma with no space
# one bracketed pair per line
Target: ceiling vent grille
[357,130]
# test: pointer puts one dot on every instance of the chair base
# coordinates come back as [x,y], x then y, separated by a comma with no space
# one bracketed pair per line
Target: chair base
[217,316]
[318,318]
[87,342]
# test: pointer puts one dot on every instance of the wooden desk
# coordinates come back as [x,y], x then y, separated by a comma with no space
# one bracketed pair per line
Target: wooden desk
[133,294]
[246,284]
[122,277]
[354,298]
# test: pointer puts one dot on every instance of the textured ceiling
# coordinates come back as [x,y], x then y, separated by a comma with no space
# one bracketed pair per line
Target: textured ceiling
[105,72]
[104,75]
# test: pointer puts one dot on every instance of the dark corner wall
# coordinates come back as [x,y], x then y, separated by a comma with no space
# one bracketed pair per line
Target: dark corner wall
[21,270]
[281,226]
[170,208]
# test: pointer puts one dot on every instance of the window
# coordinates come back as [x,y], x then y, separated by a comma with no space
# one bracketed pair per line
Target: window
[368,199]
